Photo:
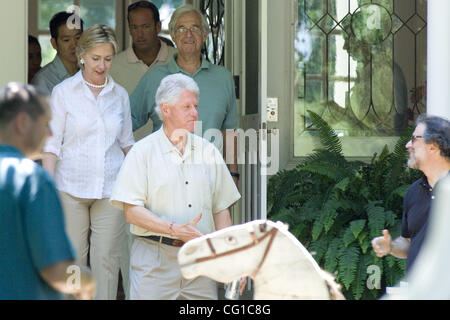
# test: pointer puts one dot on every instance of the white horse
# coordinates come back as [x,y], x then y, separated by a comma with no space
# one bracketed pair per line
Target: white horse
[278,263]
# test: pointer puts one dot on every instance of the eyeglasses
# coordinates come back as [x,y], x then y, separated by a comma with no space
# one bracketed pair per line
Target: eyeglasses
[184,30]
[146,5]
[414,138]
[140,4]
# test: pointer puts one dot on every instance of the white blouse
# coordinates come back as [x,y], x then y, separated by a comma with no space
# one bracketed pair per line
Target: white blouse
[88,136]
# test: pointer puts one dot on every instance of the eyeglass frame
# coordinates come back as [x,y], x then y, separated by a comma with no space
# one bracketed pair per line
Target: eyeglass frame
[199,32]
[414,138]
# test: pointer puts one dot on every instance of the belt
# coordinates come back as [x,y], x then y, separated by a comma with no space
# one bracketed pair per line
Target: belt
[164,240]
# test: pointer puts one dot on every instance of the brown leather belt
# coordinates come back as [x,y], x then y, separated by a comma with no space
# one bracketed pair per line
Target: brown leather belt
[164,240]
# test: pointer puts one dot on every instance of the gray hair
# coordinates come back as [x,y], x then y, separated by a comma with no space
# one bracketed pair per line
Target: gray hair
[92,37]
[437,130]
[170,89]
[187,8]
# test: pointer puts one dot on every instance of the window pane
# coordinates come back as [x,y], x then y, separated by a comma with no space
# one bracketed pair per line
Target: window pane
[166,8]
[99,11]
[47,8]
[357,64]
[47,51]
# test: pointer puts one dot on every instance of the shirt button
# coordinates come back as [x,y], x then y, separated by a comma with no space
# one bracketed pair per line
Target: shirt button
[190,205]
[187,182]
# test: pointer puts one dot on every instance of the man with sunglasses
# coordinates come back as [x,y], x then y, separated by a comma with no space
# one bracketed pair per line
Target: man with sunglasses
[147,49]
[429,152]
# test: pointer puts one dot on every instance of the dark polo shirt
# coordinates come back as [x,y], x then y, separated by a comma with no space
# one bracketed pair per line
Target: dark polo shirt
[416,209]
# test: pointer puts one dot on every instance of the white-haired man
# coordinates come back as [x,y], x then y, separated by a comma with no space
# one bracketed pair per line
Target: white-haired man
[174,186]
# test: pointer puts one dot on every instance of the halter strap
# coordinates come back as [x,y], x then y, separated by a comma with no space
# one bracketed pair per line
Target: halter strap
[272,233]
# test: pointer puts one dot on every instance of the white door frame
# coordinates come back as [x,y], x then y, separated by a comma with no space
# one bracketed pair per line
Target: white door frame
[253,182]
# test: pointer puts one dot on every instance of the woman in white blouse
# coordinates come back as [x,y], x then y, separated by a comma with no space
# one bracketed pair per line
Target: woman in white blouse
[92,133]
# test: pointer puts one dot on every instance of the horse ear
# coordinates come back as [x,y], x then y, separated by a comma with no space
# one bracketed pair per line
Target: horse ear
[282,226]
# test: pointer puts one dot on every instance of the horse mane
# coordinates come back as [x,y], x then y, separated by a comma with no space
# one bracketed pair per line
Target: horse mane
[333,287]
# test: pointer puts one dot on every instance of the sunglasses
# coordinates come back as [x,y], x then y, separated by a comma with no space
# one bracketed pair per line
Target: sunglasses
[140,4]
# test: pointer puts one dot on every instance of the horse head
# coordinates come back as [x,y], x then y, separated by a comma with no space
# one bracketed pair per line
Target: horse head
[241,246]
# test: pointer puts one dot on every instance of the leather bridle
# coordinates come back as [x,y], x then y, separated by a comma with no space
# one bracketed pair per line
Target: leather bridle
[272,233]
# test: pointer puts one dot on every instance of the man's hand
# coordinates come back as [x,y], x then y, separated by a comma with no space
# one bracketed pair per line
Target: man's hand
[187,231]
[88,285]
[382,245]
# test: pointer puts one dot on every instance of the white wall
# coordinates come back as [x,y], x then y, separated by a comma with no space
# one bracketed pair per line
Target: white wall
[438,63]
[14,37]
[279,72]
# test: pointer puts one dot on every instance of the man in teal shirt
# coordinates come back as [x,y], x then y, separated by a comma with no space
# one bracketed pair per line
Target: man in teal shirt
[217,102]
[36,257]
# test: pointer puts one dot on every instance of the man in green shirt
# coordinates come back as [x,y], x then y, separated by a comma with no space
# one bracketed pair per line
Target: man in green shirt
[217,101]
[36,257]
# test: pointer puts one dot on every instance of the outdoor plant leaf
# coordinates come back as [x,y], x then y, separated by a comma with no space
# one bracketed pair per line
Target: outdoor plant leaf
[336,206]
[357,226]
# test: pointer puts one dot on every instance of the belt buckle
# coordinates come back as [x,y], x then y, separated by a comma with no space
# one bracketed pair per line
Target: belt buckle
[177,243]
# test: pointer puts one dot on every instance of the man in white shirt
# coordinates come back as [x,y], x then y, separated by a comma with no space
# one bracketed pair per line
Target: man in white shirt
[174,186]
[147,50]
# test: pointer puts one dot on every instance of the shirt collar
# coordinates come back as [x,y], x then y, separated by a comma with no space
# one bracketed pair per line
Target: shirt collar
[163,54]
[11,151]
[131,56]
[175,68]
[60,69]
[78,82]
[168,147]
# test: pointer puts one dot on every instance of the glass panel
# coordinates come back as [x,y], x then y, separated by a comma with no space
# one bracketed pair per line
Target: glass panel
[361,65]
[47,8]
[166,8]
[98,11]
[47,51]
[215,43]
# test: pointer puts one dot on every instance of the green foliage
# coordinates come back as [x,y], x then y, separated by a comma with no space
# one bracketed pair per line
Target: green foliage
[335,207]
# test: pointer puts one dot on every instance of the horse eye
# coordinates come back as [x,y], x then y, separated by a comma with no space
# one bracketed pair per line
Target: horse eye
[230,239]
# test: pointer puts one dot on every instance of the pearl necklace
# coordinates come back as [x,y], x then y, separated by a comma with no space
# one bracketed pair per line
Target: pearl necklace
[98,86]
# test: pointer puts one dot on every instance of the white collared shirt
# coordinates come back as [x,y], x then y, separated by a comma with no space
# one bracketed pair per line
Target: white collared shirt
[176,187]
[88,136]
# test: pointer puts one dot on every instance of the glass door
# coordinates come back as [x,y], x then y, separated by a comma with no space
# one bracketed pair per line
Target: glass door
[361,65]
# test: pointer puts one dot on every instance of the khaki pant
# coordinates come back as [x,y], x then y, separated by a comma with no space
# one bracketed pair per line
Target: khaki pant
[96,227]
[155,275]
[125,260]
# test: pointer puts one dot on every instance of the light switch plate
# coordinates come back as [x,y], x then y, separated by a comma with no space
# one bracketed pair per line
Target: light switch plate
[272,109]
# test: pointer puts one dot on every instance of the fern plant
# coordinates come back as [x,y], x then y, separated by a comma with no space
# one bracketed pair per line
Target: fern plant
[335,206]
